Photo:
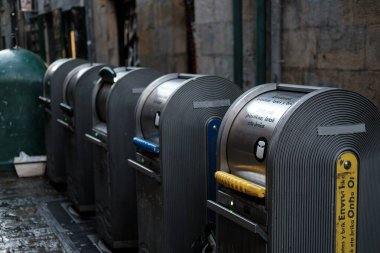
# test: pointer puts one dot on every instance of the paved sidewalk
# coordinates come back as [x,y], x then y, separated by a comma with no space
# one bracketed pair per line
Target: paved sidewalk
[34,219]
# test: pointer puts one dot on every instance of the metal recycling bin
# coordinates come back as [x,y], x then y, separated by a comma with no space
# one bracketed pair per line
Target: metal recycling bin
[77,121]
[113,128]
[51,99]
[177,119]
[298,172]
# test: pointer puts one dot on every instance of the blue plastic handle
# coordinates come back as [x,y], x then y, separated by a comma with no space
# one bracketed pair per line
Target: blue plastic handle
[146,145]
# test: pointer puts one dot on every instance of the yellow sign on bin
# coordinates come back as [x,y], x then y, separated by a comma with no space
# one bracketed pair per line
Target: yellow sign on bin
[346,203]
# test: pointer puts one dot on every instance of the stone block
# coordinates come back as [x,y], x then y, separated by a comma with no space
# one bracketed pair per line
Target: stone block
[320,13]
[205,38]
[179,40]
[205,65]
[224,67]
[223,10]
[291,13]
[318,77]
[111,41]
[204,11]
[197,38]
[163,38]
[177,4]
[223,42]
[362,12]
[373,48]
[365,82]
[249,71]
[147,41]
[342,37]
[299,48]
[249,38]
[158,62]
[179,13]
[145,15]
[292,75]
[163,14]
[177,63]
[214,38]
[341,60]
[105,33]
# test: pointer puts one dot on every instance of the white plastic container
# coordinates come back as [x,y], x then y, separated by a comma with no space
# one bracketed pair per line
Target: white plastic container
[29,166]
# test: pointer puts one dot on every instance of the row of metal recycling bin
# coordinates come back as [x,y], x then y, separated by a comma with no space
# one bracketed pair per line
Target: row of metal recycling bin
[187,163]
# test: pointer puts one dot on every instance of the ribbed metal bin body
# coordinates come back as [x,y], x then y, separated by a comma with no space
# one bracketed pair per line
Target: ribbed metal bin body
[172,115]
[77,121]
[305,131]
[21,116]
[114,101]
[51,99]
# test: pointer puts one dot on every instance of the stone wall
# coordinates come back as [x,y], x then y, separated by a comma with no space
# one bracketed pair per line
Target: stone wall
[333,43]
[214,39]
[105,32]
[5,24]
[161,28]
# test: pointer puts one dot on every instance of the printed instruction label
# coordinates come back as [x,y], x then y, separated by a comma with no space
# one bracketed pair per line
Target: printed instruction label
[346,203]
[265,110]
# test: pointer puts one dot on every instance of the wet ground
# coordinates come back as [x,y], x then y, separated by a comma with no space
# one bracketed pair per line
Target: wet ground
[35,217]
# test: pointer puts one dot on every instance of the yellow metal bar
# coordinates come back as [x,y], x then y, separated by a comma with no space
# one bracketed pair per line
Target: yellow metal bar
[239,184]
[73,47]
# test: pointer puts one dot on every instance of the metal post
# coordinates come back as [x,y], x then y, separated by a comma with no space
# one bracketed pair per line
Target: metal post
[14,28]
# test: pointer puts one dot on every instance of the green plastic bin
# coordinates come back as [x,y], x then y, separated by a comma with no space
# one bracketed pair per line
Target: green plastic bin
[21,115]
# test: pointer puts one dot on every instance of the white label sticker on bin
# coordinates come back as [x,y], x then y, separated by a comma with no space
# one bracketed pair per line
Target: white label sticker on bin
[211,103]
[137,90]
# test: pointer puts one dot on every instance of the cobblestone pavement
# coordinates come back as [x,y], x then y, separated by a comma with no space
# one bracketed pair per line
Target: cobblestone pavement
[33,220]
[22,228]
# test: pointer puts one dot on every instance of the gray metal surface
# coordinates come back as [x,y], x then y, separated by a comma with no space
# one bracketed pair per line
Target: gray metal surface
[229,118]
[315,170]
[300,170]
[153,105]
[256,121]
[101,102]
[114,102]
[53,84]
[172,214]
[236,218]
[237,239]
[77,120]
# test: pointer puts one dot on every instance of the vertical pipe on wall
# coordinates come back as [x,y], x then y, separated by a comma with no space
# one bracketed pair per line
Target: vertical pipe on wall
[238,42]
[260,41]
[14,26]
[276,41]
[191,50]
[120,10]
[73,46]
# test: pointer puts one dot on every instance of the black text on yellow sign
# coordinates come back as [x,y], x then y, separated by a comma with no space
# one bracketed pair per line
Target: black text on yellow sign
[346,203]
